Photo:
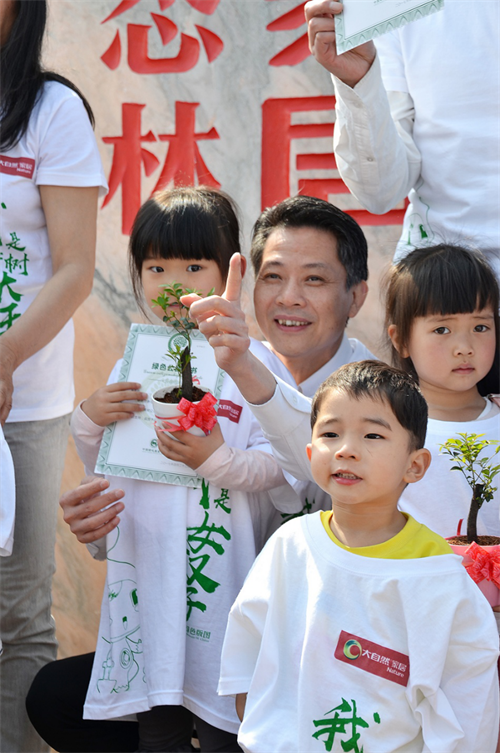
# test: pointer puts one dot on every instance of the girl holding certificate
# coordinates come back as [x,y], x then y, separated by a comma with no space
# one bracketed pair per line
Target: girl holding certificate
[176,556]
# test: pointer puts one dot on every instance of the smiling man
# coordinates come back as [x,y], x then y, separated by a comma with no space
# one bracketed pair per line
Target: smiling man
[310,265]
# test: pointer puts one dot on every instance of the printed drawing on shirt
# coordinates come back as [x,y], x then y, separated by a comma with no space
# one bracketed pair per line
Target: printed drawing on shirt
[344,723]
[205,542]
[124,661]
[14,263]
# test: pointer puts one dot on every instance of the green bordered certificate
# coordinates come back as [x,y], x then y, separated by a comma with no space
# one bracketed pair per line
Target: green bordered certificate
[362,20]
[129,448]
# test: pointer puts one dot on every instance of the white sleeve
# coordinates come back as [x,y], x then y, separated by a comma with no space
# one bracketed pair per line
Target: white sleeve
[242,470]
[68,154]
[87,436]
[245,627]
[459,713]
[285,422]
[373,141]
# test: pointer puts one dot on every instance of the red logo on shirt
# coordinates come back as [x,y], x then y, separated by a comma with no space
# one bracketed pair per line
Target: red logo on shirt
[229,410]
[17,166]
[381,661]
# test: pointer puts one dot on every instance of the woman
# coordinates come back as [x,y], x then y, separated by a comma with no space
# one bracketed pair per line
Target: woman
[50,175]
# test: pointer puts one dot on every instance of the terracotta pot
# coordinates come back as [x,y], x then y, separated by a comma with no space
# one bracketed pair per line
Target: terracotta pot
[487,587]
[171,413]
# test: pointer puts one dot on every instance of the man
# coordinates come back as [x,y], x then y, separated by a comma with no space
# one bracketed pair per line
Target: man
[310,265]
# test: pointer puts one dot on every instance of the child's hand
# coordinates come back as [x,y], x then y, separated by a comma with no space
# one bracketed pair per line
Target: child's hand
[188,449]
[107,404]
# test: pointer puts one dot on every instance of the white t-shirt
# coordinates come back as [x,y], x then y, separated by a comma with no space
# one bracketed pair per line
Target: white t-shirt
[147,652]
[319,637]
[58,149]
[443,496]
[7,498]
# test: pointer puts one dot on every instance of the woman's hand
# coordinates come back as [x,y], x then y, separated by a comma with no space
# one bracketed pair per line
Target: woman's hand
[188,449]
[109,404]
[84,509]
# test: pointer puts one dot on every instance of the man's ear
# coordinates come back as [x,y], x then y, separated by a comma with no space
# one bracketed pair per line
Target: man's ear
[243,263]
[392,331]
[309,450]
[420,461]
[359,293]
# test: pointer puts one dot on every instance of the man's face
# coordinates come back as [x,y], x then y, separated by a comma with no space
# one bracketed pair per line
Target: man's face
[300,296]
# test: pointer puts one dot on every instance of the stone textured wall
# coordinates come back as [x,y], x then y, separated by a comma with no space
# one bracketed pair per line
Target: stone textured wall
[146,126]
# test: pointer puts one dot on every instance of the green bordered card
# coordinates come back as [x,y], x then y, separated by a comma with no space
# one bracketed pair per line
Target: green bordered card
[129,448]
[362,20]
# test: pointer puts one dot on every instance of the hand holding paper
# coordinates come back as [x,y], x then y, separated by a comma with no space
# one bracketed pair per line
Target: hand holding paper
[112,403]
[350,67]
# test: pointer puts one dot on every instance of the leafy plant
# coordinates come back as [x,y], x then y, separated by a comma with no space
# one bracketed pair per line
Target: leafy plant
[176,315]
[464,452]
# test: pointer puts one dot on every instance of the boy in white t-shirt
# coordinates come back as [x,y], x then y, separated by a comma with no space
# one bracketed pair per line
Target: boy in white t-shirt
[358,628]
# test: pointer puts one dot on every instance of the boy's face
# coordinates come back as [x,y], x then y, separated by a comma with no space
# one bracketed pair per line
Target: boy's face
[360,454]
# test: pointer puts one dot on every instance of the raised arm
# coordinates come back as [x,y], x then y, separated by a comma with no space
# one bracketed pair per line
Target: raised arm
[373,138]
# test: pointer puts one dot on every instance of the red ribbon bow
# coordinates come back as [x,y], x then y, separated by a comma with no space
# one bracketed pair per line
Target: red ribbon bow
[200,414]
[482,564]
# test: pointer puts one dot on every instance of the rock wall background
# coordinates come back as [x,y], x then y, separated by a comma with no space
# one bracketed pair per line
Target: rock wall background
[144,128]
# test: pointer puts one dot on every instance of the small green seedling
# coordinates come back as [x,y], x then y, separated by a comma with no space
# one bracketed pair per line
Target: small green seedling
[176,315]
[464,452]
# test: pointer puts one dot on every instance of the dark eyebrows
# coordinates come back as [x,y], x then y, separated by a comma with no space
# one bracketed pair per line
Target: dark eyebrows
[376,421]
[309,265]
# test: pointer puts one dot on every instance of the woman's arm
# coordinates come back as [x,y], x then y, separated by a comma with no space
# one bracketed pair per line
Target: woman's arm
[71,215]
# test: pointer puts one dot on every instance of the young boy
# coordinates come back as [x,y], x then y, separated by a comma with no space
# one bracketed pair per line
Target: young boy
[358,629]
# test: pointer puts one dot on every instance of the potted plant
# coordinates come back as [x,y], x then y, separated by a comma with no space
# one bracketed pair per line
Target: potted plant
[481,553]
[187,406]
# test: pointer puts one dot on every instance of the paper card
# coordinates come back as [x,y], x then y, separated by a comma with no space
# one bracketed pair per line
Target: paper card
[130,448]
[362,20]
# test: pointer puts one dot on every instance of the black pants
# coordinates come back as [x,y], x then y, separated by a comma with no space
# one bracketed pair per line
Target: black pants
[55,707]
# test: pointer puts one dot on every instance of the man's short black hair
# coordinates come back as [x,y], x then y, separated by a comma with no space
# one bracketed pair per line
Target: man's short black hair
[307,211]
[378,381]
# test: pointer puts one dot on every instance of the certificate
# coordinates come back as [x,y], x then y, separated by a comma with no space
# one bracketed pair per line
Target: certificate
[362,20]
[130,448]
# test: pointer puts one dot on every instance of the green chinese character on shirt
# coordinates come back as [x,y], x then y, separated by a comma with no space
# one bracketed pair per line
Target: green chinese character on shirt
[346,715]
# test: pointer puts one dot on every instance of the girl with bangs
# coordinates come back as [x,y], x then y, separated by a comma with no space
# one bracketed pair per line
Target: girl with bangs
[176,557]
[442,319]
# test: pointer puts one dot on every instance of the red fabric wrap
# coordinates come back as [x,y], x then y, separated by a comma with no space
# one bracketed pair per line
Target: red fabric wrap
[201,414]
[483,564]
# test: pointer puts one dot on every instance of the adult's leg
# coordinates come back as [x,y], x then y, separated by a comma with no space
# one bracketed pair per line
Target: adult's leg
[55,708]
[27,629]
[165,728]
[215,740]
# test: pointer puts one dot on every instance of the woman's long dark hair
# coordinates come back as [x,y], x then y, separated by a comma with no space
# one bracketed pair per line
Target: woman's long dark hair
[21,74]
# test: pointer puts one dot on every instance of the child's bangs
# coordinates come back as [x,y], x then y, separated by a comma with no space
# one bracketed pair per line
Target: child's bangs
[186,232]
[450,293]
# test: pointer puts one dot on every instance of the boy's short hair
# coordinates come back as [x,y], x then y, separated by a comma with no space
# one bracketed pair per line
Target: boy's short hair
[378,381]
[307,211]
